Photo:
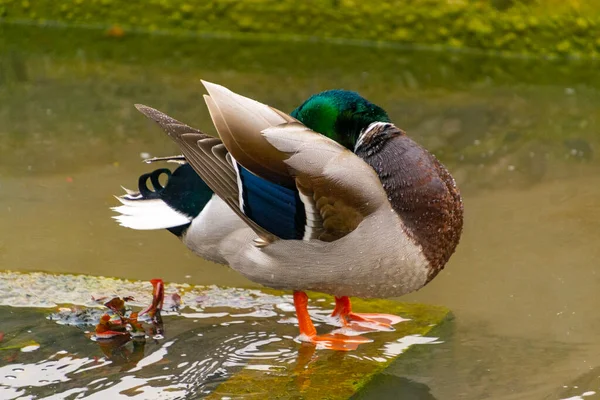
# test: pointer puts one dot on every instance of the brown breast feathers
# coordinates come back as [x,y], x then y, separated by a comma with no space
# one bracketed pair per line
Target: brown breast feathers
[420,189]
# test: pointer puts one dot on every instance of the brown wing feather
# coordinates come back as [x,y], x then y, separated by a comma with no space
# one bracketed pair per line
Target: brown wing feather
[334,218]
[239,121]
[343,190]
[197,149]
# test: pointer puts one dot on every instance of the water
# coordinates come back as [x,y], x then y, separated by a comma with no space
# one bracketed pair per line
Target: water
[520,136]
[232,340]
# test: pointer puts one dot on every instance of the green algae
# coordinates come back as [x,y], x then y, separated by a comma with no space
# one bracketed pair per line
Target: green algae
[19,346]
[519,27]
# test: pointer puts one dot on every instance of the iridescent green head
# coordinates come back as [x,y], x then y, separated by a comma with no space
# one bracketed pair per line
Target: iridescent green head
[340,115]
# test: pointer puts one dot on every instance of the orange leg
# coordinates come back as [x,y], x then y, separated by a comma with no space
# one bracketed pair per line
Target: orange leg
[308,333]
[158,297]
[343,309]
[342,306]
[304,322]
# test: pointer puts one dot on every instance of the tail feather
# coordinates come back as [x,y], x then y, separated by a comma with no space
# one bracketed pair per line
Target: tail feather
[148,214]
[171,206]
[130,192]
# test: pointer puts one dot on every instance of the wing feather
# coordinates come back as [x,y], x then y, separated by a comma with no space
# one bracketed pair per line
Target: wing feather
[340,189]
[239,121]
[204,163]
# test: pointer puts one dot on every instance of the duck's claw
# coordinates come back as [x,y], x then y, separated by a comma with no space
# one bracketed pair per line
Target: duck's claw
[137,330]
[371,322]
[363,322]
[110,334]
[308,333]
[336,341]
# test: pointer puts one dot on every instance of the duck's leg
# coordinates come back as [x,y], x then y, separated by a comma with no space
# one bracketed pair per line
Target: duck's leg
[307,329]
[308,333]
[158,298]
[343,309]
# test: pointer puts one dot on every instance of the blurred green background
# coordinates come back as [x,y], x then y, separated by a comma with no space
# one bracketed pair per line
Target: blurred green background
[549,28]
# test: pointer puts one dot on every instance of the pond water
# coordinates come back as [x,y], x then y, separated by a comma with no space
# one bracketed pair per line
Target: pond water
[520,136]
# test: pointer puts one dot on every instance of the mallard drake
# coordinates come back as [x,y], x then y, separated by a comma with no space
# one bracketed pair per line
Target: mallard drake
[333,198]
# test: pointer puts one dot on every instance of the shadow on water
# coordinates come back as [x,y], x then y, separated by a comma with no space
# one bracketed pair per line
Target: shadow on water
[520,136]
[389,387]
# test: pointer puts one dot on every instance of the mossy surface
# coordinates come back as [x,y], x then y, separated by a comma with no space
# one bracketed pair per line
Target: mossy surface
[542,27]
[223,342]
[336,375]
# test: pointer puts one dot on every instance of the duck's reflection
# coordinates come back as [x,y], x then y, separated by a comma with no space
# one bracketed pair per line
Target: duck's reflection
[302,371]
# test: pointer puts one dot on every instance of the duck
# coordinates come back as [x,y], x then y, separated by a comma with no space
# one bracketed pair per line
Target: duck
[331,198]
